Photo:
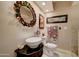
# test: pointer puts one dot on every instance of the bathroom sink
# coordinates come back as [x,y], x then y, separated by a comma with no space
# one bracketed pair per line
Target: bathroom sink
[33,42]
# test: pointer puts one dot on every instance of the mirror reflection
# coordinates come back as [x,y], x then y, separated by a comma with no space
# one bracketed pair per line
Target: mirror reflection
[26,14]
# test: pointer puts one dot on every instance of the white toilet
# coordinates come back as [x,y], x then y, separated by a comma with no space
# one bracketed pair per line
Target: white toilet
[49,48]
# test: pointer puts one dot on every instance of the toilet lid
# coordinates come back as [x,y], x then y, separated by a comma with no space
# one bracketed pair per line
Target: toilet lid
[50,45]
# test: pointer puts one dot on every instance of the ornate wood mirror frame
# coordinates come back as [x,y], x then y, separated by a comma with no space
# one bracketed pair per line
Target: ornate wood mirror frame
[17,6]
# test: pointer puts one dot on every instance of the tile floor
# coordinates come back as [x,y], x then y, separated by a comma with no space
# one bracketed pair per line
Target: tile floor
[57,53]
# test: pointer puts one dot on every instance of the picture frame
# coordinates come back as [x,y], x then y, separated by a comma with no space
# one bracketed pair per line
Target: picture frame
[41,21]
[57,19]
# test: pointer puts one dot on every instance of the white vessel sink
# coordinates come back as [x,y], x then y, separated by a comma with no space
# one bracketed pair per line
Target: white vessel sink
[33,42]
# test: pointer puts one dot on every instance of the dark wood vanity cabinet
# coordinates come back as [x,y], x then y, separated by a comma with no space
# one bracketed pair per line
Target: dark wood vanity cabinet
[26,51]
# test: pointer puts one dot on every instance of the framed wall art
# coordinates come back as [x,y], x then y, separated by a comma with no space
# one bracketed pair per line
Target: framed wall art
[41,22]
[57,19]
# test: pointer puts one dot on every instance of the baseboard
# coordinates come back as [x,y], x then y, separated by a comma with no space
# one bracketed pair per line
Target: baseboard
[66,51]
[4,55]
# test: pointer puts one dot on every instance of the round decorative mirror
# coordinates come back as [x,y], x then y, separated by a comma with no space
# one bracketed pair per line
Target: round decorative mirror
[25,13]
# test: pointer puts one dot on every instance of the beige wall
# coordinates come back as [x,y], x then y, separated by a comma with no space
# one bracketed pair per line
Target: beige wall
[68,37]
[62,5]
[12,34]
[78,42]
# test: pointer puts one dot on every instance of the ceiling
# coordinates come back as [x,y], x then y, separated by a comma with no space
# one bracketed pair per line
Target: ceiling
[50,6]
[45,6]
